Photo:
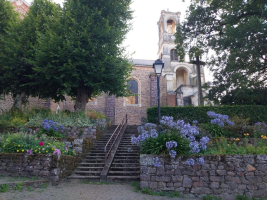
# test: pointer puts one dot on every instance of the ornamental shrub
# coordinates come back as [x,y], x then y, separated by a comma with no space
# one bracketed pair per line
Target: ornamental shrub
[252,112]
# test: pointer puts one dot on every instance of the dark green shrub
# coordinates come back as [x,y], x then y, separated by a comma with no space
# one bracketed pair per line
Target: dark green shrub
[251,112]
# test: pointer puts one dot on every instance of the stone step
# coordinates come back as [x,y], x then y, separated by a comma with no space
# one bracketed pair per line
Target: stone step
[94,160]
[89,168]
[123,168]
[92,164]
[125,161]
[83,177]
[127,153]
[124,172]
[87,172]
[126,157]
[123,177]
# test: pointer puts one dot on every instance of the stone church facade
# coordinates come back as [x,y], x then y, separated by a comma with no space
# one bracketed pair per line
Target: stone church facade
[178,85]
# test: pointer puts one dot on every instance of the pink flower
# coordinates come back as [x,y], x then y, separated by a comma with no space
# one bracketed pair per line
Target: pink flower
[57,151]
[41,144]
[66,149]
[29,151]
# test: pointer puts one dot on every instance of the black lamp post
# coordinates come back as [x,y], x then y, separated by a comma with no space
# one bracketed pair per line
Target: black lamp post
[200,96]
[158,66]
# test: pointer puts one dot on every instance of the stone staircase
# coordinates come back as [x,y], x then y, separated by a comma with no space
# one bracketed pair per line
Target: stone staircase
[92,165]
[126,165]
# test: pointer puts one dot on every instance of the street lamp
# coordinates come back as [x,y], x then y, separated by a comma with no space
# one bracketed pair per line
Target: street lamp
[158,65]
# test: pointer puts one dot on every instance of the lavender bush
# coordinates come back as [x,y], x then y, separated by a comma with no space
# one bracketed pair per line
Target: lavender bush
[176,138]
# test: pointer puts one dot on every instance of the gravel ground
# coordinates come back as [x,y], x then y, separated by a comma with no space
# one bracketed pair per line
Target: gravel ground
[81,191]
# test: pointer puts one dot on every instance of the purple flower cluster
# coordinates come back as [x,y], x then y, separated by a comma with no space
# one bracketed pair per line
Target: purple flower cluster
[195,122]
[153,133]
[219,119]
[186,130]
[168,121]
[156,162]
[171,144]
[190,161]
[146,132]
[172,153]
[203,142]
[49,124]
[200,161]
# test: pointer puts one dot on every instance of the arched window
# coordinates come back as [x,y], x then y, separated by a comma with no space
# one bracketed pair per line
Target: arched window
[174,56]
[133,87]
[171,26]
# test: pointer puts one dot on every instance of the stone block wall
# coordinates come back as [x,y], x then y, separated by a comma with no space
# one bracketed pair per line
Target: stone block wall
[224,176]
[6,103]
[51,167]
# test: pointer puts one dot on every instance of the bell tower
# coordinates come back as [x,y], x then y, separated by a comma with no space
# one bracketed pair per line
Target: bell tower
[167,28]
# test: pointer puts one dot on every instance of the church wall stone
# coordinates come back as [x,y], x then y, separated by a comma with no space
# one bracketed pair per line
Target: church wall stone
[136,111]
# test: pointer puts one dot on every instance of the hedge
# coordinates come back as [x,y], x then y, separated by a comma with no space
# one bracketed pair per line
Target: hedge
[254,113]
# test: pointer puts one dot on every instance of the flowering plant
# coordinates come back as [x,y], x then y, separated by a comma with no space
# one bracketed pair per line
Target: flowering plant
[51,129]
[30,144]
[177,138]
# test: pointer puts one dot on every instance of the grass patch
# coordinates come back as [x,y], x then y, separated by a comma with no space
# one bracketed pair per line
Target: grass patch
[19,186]
[44,185]
[136,186]
[34,178]
[94,183]
[4,188]
[241,197]
[210,197]
[30,189]
[161,193]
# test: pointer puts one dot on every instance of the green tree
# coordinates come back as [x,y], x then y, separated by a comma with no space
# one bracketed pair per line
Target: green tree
[17,49]
[84,56]
[8,17]
[236,32]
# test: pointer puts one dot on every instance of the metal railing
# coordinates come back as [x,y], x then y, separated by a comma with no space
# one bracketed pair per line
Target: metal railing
[114,137]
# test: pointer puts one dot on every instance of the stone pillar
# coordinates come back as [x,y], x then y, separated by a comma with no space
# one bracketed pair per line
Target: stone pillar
[153,90]
[111,108]
[171,99]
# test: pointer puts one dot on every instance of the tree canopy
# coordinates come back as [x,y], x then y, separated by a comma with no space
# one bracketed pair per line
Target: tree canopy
[83,56]
[236,32]
[18,48]
[75,50]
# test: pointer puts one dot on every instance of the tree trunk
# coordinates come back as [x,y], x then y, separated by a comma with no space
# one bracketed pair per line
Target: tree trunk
[81,100]
[19,100]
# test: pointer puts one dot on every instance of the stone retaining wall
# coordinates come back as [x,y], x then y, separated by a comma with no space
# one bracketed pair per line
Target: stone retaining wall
[71,132]
[51,167]
[224,176]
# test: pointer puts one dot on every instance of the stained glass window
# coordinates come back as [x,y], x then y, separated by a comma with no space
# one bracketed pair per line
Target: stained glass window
[133,87]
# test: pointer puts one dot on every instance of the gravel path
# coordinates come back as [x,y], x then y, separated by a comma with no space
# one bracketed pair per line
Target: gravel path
[81,191]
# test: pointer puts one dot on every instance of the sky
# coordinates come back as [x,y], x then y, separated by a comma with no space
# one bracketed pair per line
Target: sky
[142,40]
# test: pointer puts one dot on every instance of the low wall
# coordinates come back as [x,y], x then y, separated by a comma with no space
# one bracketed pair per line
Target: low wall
[71,132]
[51,167]
[224,176]
[80,146]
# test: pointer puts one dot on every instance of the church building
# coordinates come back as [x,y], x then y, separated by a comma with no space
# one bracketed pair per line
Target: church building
[178,82]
